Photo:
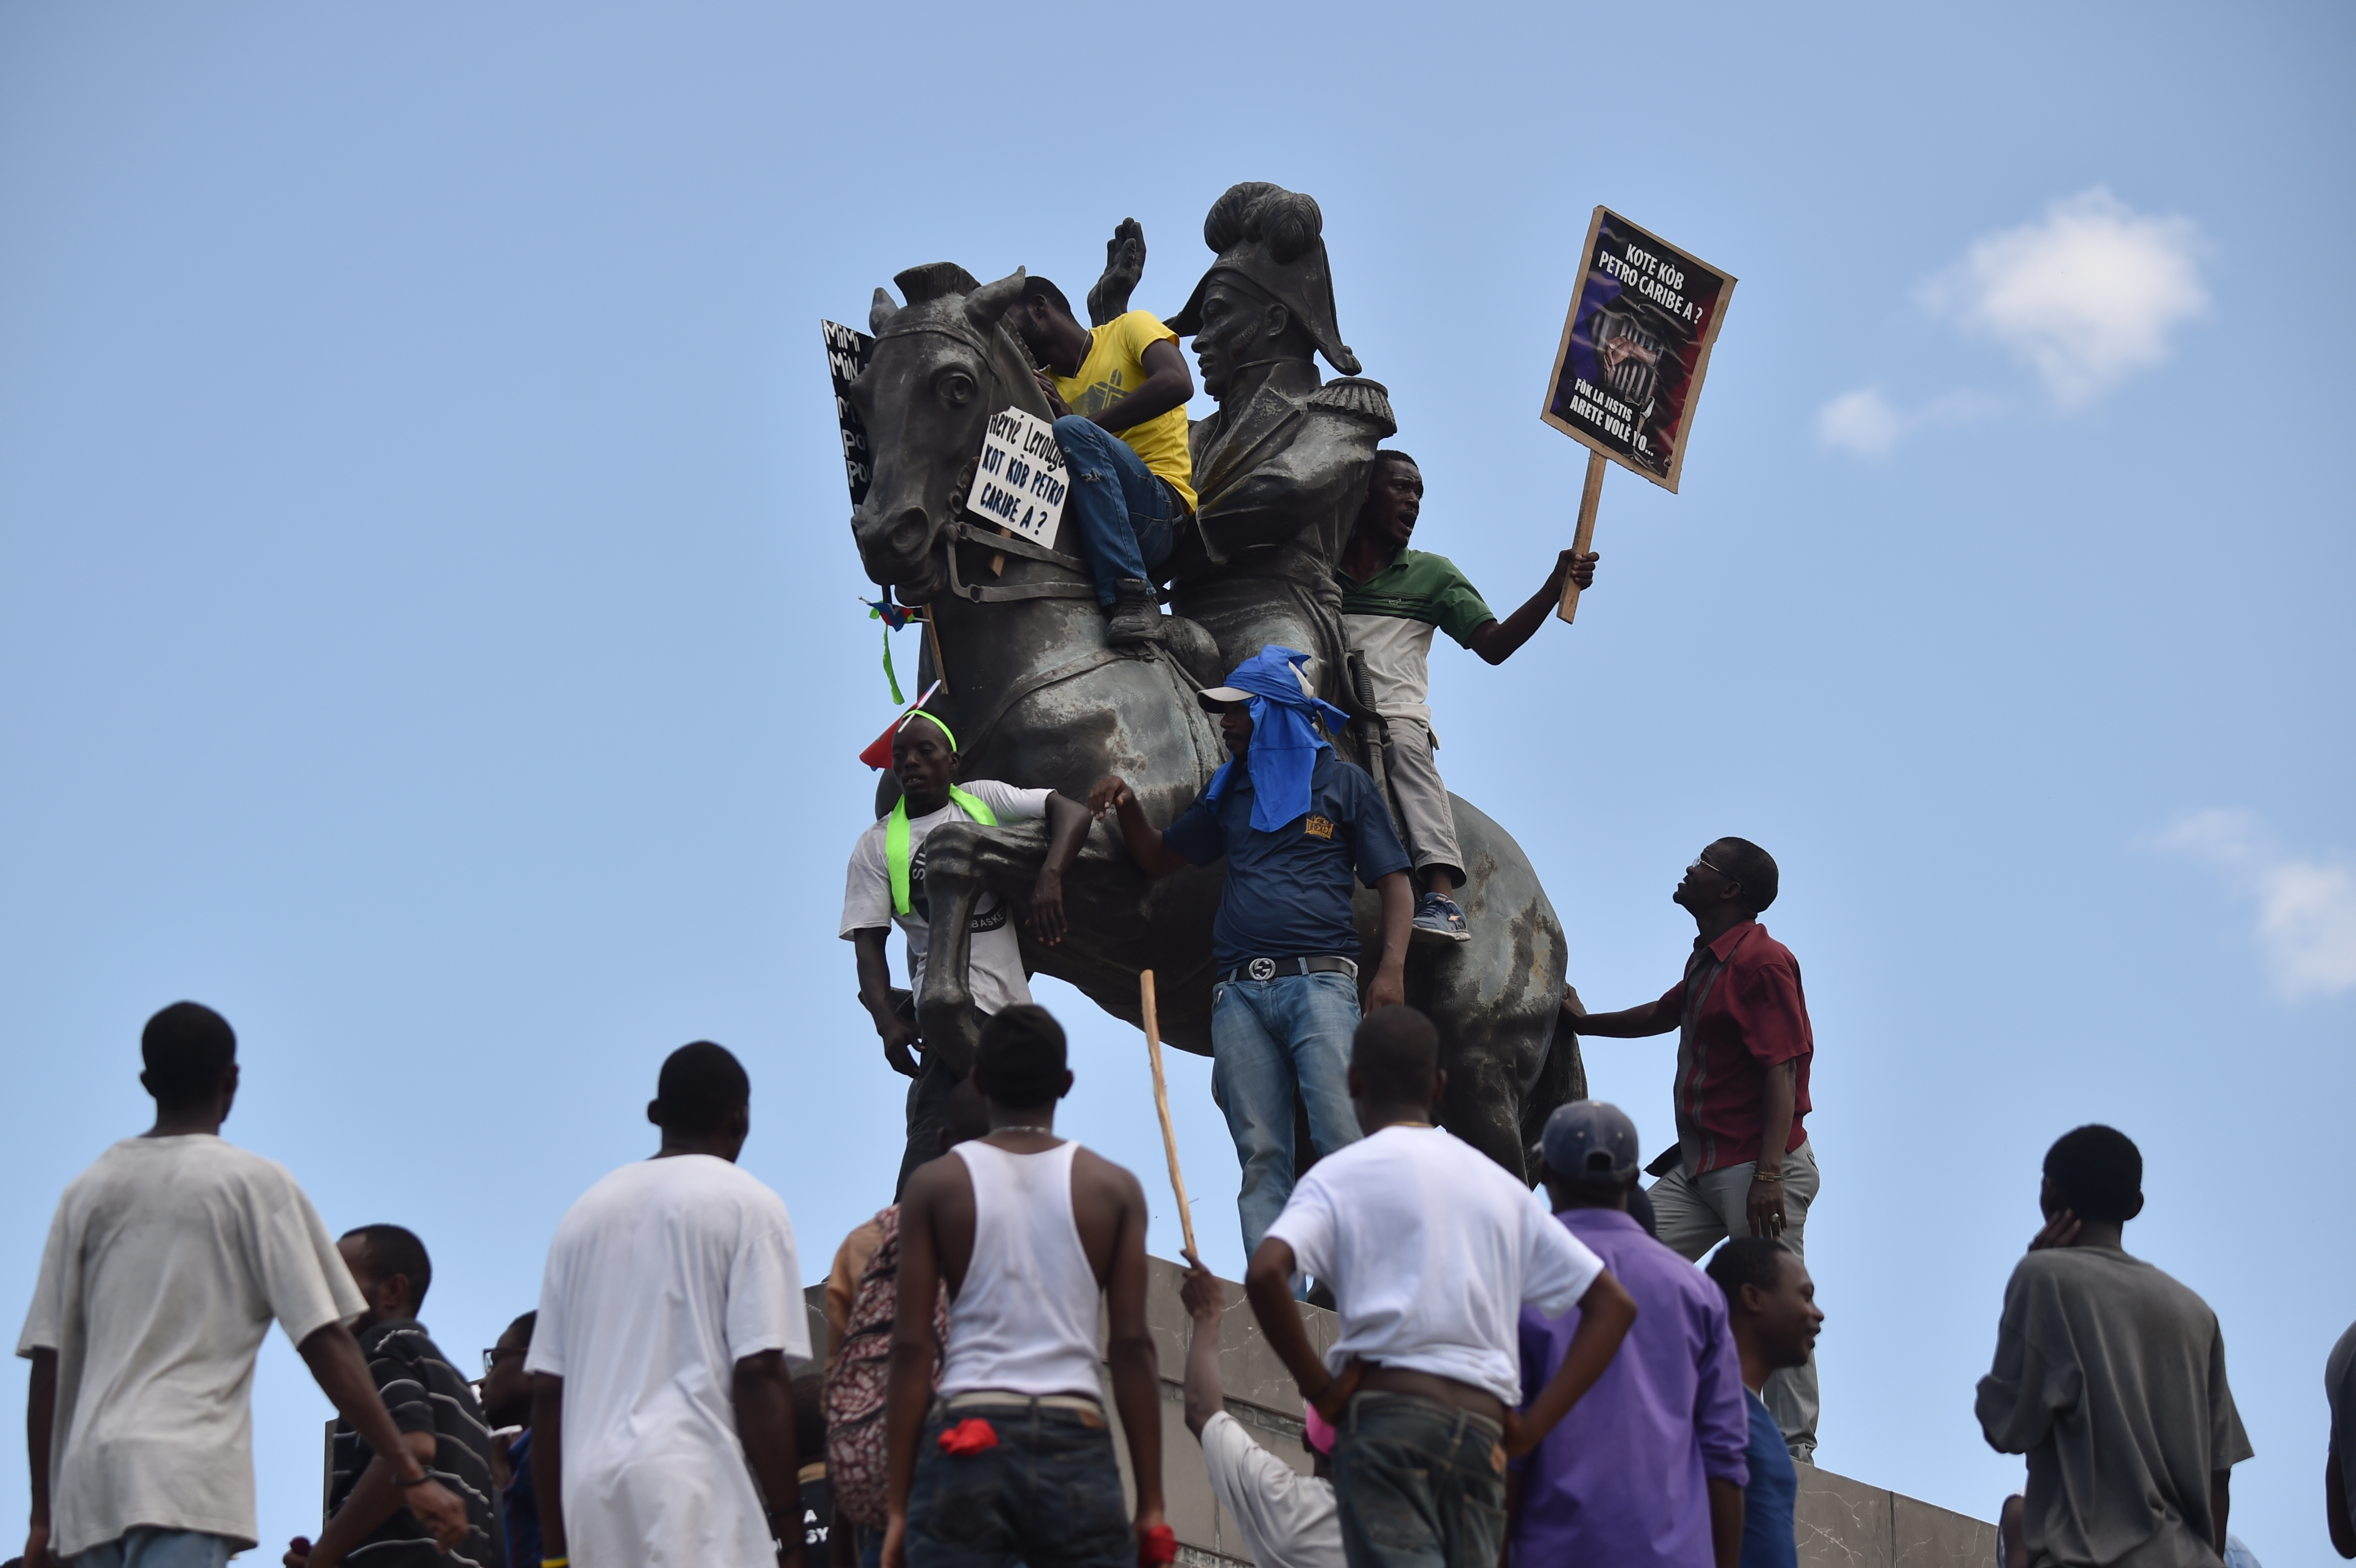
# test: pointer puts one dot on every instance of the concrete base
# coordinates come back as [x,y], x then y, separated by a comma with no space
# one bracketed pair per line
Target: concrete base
[1842,1523]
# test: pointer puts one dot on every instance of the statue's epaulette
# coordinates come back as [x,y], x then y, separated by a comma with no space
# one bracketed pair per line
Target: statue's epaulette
[1369,400]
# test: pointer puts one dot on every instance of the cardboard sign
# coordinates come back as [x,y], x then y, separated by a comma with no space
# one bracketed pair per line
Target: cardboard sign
[847,354]
[1019,482]
[1634,348]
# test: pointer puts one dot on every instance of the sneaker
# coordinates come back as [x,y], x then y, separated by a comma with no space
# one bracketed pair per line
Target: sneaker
[1135,613]
[1439,920]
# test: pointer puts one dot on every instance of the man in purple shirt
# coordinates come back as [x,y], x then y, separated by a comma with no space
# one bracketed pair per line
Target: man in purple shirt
[1647,1471]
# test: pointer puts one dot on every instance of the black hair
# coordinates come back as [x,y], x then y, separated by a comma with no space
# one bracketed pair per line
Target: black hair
[1036,286]
[968,1116]
[1748,864]
[1396,1051]
[1020,1061]
[1748,1259]
[523,1328]
[701,1086]
[1394,455]
[393,1250]
[2097,1173]
[187,1048]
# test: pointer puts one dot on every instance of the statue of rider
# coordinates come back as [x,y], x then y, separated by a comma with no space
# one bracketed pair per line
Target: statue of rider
[1280,470]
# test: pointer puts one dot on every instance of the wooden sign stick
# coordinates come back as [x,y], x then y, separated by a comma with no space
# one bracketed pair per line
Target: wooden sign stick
[1583,538]
[1161,1103]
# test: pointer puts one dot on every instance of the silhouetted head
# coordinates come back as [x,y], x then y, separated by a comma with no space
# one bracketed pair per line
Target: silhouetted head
[968,1116]
[1730,871]
[2096,1173]
[1394,1067]
[390,1265]
[190,1054]
[703,1101]
[506,1386]
[1019,1063]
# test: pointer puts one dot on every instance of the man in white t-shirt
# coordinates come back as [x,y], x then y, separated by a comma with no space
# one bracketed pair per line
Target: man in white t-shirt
[885,886]
[1287,1519]
[670,1321]
[1431,1250]
[167,1261]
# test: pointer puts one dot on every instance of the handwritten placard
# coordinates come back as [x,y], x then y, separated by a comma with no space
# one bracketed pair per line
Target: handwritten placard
[848,350]
[1020,482]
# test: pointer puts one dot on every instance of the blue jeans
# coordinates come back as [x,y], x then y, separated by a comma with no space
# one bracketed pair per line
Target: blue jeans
[147,1547]
[1125,514]
[1268,1038]
[1047,1495]
[1418,1484]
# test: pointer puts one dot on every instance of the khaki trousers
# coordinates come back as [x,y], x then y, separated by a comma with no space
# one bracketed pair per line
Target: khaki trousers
[1423,805]
[1692,1214]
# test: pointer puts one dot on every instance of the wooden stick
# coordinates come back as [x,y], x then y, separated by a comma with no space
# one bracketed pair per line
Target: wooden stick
[940,668]
[1583,535]
[1161,1103]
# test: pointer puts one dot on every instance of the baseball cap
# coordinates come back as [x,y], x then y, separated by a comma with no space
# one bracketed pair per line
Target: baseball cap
[1590,1140]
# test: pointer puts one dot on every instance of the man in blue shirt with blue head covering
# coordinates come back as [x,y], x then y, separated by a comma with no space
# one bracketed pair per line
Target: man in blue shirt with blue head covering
[1298,827]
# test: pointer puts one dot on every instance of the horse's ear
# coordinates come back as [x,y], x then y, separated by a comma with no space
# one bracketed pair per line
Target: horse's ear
[881,311]
[988,305]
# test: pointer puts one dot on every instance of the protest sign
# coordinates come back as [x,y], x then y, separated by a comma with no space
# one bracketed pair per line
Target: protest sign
[1629,370]
[847,354]
[1019,483]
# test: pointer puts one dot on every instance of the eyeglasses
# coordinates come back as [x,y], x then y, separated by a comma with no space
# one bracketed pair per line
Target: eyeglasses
[492,1357]
[1703,860]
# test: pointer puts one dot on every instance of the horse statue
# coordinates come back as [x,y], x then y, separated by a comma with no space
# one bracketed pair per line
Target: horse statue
[1036,696]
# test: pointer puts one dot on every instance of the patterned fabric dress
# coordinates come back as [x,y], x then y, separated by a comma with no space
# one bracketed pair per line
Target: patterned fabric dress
[855,1384]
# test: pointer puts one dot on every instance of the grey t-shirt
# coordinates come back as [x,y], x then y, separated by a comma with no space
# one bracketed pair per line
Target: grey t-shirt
[2339,1388]
[2110,1376]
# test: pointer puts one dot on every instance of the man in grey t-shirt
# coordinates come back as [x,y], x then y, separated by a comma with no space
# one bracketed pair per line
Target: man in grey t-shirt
[2110,1377]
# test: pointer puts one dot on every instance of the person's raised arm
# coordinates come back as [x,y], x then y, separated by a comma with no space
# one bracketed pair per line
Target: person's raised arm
[1268,1285]
[1130,1353]
[334,1359]
[1146,845]
[2335,1508]
[40,1425]
[908,1390]
[1167,385]
[1498,641]
[1389,987]
[875,994]
[548,1461]
[764,1423]
[1068,829]
[1206,1301]
[1657,1017]
[1605,1313]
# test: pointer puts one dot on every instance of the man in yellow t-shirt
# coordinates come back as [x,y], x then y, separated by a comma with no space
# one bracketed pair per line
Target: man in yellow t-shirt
[1119,392]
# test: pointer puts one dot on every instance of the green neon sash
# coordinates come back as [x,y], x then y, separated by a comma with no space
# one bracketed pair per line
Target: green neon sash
[895,836]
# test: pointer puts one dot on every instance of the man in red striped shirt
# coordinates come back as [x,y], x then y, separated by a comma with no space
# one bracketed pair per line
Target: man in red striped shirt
[1743,1049]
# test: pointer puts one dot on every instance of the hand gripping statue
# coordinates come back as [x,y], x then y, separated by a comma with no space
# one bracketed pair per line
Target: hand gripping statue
[1280,470]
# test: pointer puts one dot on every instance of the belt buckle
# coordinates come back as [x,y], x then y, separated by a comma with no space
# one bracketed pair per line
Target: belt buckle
[1261,968]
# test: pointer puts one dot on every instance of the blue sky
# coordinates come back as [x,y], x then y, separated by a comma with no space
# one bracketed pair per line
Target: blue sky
[428,622]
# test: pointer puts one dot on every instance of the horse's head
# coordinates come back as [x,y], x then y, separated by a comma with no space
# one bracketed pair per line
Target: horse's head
[942,366]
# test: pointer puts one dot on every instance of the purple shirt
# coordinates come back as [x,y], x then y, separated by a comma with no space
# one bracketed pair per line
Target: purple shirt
[1624,1479]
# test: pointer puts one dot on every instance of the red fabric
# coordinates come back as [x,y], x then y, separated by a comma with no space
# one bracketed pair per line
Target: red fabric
[1159,1548]
[971,1435]
[879,755]
[1754,1017]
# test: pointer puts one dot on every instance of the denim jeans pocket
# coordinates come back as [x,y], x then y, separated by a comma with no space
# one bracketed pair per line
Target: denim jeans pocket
[1394,1504]
[956,1496]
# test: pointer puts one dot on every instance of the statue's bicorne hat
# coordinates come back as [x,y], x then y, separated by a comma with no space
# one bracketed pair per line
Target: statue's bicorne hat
[1274,240]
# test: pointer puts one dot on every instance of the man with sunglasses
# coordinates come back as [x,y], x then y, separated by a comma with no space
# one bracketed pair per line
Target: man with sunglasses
[1743,1051]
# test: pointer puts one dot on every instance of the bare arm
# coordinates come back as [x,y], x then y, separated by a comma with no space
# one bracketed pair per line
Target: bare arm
[334,1359]
[1654,1017]
[1389,987]
[1605,1313]
[1128,1350]
[875,994]
[2220,1503]
[1167,385]
[40,1424]
[1067,828]
[764,1423]
[1726,1523]
[1268,1285]
[1498,641]
[2335,1509]
[1763,1209]
[910,1386]
[1146,846]
[548,1461]
[372,1499]
[1206,1302]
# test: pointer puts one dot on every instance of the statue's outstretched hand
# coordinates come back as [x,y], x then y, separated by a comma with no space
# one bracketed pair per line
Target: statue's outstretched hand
[1124,266]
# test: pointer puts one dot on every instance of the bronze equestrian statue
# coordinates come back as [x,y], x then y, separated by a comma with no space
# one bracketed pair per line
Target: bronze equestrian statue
[1036,696]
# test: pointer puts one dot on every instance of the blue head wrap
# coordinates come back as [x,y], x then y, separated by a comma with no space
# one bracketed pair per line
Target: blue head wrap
[1284,744]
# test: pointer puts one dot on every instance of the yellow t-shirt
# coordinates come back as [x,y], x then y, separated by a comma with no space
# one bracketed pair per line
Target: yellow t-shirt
[1114,368]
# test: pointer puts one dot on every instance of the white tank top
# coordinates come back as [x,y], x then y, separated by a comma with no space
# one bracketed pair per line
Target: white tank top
[1025,1320]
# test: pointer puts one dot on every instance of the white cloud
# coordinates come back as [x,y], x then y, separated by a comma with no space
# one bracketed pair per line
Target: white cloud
[2087,296]
[2307,909]
[1869,424]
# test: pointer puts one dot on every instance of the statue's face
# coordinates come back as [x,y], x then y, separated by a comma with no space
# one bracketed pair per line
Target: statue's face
[1238,327]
